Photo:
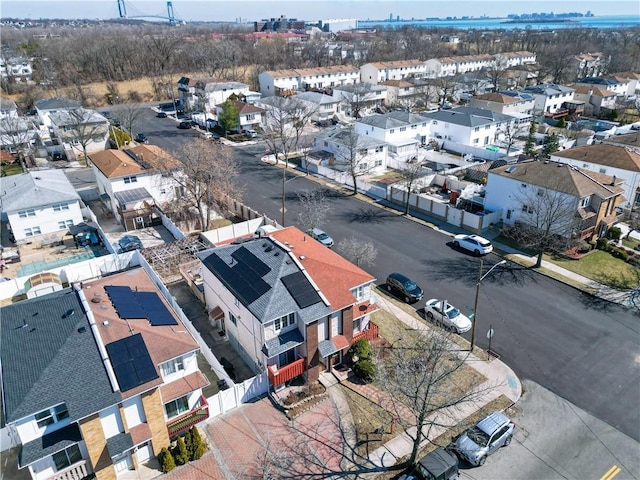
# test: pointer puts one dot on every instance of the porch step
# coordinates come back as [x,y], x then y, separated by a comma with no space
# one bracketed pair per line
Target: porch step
[328,379]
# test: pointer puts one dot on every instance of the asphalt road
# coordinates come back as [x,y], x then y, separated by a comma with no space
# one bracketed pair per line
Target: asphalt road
[583,349]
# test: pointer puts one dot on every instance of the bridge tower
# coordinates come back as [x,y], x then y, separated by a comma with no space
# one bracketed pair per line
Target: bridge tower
[122,9]
[172,19]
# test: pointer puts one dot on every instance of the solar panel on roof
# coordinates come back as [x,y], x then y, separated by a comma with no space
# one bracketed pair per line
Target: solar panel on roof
[301,289]
[155,310]
[242,281]
[131,362]
[243,255]
[125,302]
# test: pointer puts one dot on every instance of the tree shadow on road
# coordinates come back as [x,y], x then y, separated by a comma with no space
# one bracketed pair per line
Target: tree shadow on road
[369,215]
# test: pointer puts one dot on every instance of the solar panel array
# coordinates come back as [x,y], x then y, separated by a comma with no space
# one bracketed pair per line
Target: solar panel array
[244,276]
[301,289]
[133,305]
[131,362]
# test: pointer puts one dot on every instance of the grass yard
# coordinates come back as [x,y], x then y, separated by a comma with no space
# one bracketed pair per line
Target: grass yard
[630,242]
[603,268]
[8,170]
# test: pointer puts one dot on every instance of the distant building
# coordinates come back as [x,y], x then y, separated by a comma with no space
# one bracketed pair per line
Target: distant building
[337,24]
[287,82]
[279,24]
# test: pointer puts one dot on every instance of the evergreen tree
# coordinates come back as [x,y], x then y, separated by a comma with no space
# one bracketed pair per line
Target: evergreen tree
[188,442]
[197,445]
[228,117]
[551,145]
[166,460]
[180,454]
[530,145]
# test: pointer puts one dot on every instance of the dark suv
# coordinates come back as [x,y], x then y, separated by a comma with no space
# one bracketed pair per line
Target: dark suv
[404,287]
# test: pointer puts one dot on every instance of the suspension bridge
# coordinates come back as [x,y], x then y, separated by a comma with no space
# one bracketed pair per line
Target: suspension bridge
[135,13]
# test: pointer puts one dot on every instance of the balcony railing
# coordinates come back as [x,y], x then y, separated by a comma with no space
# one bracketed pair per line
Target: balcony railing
[279,375]
[370,333]
[77,471]
[185,421]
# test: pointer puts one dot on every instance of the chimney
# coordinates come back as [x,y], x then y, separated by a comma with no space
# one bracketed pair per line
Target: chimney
[613,182]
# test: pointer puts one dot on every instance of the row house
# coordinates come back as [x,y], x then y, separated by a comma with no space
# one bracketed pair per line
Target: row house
[399,92]
[513,59]
[203,94]
[617,161]
[470,126]
[98,378]
[135,182]
[393,70]
[589,198]
[287,303]
[39,204]
[633,82]
[17,69]
[403,132]
[343,149]
[449,66]
[519,105]
[619,86]
[279,82]
[8,108]
[596,100]
[322,108]
[364,97]
[553,100]
[589,64]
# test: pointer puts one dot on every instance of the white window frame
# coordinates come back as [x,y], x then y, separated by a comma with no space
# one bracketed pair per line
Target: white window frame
[32,231]
[130,179]
[69,456]
[172,366]
[27,213]
[284,322]
[58,207]
[51,415]
[65,224]
[182,406]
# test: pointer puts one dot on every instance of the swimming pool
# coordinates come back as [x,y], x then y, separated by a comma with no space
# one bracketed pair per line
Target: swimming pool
[597,125]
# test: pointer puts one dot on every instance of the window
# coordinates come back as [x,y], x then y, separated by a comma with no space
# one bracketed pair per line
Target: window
[363,151]
[30,232]
[413,127]
[435,122]
[131,179]
[378,162]
[27,213]
[57,207]
[284,322]
[540,192]
[172,366]
[379,149]
[233,318]
[585,202]
[250,116]
[52,415]
[477,129]
[486,140]
[403,129]
[236,301]
[475,140]
[602,170]
[358,292]
[65,224]
[392,130]
[176,407]
[67,457]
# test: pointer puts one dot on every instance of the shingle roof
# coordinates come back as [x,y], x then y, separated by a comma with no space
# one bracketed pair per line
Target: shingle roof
[49,356]
[604,154]
[397,64]
[382,121]
[36,189]
[547,89]
[632,139]
[317,98]
[56,103]
[141,159]
[49,444]
[347,137]
[469,116]
[562,178]
[303,72]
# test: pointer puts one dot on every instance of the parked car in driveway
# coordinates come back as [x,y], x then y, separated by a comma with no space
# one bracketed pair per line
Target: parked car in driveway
[129,243]
[474,243]
[447,316]
[406,288]
[322,237]
[436,465]
[483,439]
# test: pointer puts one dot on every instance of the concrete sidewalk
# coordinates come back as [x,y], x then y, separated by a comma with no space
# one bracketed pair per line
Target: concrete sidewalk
[500,380]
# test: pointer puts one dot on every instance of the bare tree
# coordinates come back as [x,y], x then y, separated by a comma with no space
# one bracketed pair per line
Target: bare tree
[420,372]
[16,134]
[510,133]
[410,174]
[85,127]
[497,71]
[208,178]
[315,208]
[444,88]
[360,252]
[357,97]
[351,154]
[546,220]
[130,115]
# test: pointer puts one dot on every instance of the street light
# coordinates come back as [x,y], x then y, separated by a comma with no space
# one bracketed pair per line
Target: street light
[475,305]
[284,191]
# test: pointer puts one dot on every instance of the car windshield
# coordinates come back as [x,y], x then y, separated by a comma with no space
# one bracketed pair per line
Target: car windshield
[322,236]
[478,436]
[484,243]
[453,312]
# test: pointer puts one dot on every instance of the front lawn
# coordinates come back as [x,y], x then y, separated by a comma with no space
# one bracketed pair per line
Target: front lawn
[603,268]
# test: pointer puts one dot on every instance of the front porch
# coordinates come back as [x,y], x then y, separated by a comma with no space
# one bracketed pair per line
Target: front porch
[184,422]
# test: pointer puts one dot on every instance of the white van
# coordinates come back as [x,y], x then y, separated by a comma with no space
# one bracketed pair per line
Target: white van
[251,133]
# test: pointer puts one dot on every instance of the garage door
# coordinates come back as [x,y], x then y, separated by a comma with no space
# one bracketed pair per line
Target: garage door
[144,452]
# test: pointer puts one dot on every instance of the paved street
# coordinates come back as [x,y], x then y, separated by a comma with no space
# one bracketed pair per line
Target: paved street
[579,347]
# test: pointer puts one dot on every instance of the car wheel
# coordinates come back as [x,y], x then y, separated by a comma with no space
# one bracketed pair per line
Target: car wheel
[507,441]
[451,329]
[477,252]
[482,461]
[407,299]
[456,244]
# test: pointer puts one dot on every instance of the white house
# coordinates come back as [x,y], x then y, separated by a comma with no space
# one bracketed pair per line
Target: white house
[204,94]
[343,147]
[613,160]
[403,132]
[520,105]
[8,108]
[448,66]
[360,99]
[17,68]
[52,105]
[619,86]
[133,181]
[39,204]
[279,82]
[393,70]
[84,393]
[71,128]
[589,64]
[287,303]
[322,107]
[512,59]
[551,99]
[249,116]
[596,99]
[475,127]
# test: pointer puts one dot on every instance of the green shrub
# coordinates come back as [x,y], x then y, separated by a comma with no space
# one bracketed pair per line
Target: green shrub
[620,253]
[179,452]
[614,233]
[365,369]
[166,460]
[602,244]
[197,447]
[361,350]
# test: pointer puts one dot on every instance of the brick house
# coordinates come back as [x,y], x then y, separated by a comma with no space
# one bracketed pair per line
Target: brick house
[287,303]
[97,378]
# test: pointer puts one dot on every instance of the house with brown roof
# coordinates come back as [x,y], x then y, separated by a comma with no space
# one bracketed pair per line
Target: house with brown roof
[516,104]
[587,64]
[100,381]
[597,99]
[249,116]
[619,158]
[287,303]
[133,183]
[516,189]
[286,82]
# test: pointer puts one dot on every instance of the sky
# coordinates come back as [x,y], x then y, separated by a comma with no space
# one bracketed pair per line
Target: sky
[227,10]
